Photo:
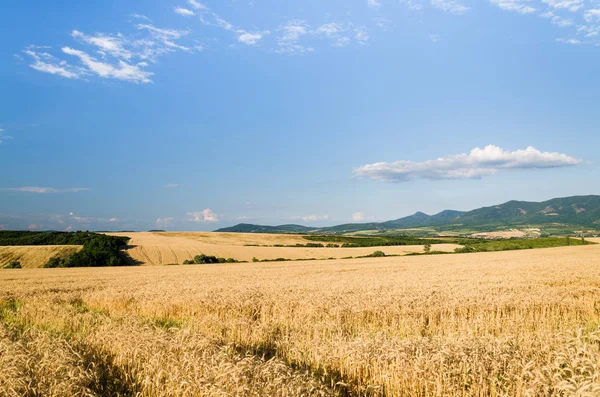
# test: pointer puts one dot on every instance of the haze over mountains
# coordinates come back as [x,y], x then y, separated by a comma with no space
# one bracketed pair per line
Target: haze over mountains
[569,212]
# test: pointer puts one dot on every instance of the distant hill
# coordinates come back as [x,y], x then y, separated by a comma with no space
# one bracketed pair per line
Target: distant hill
[569,212]
[248,228]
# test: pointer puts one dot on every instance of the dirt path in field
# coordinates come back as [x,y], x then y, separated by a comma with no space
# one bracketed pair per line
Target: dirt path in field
[157,249]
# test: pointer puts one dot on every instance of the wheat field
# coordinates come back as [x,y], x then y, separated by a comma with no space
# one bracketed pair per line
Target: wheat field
[159,248]
[34,256]
[519,323]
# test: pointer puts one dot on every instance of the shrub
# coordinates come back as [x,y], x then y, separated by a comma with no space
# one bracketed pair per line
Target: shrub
[14,264]
[377,254]
[330,245]
[427,248]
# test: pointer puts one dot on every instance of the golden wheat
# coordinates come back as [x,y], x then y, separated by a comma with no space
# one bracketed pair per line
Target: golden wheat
[524,323]
[159,248]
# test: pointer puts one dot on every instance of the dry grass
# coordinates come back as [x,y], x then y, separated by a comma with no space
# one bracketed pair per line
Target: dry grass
[34,256]
[167,248]
[519,323]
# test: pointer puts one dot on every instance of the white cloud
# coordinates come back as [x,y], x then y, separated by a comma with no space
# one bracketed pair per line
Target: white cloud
[4,137]
[361,35]
[478,163]
[592,15]
[113,220]
[314,218]
[206,215]
[411,5]
[571,5]
[121,71]
[374,4]
[359,217]
[520,6]
[184,12]
[113,45]
[44,190]
[140,16]
[172,185]
[249,38]
[569,41]
[452,6]
[291,33]
[164,223]
[197,5]
[44,62]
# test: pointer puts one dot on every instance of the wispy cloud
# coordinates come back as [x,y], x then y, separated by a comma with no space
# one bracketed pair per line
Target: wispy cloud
[519,6]
[592,15]
[206,215]
[569,41]
[478,163]
[164,222]
[44,190]
[110,56]
[571,5]
[312,218]
[184,12]
[3,136]
[376,4]
[171,185]
[121,71]
[452,6]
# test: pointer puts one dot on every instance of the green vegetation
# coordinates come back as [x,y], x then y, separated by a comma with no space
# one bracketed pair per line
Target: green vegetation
[98,250]
[14,264]
[519,244]
[9,237]
[208,259]
[373,241]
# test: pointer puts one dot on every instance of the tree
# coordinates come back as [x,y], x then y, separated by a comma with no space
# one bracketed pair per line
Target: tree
[427,248]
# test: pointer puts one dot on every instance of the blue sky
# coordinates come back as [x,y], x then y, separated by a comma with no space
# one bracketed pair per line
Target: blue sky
[190,115]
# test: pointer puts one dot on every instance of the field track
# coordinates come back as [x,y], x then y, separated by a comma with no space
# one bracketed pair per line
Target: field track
[156,249]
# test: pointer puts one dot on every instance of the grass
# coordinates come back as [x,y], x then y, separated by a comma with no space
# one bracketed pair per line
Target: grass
[521,323]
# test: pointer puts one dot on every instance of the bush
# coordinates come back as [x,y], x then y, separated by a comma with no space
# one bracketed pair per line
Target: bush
[14,264]
[427,248]
[466,249]
[330,245]
[377,254]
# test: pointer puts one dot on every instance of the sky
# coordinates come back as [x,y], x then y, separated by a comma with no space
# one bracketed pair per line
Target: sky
[196,115]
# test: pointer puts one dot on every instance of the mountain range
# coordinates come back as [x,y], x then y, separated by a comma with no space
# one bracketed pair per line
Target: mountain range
[568,213]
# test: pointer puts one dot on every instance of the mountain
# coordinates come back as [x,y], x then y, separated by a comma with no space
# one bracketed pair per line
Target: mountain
[569,212]
[248,228]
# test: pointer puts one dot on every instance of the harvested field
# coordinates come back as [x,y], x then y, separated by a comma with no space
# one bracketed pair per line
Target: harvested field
[34,256]
[169,248]
[518,323]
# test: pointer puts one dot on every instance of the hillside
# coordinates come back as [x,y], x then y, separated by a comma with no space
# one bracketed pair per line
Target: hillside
[569,213]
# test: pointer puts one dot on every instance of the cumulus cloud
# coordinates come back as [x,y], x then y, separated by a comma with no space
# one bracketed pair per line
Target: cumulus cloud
[478,163]
[206,215]
[519,6]
[44,190]
[592,15]
[452,6]
[249,38]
